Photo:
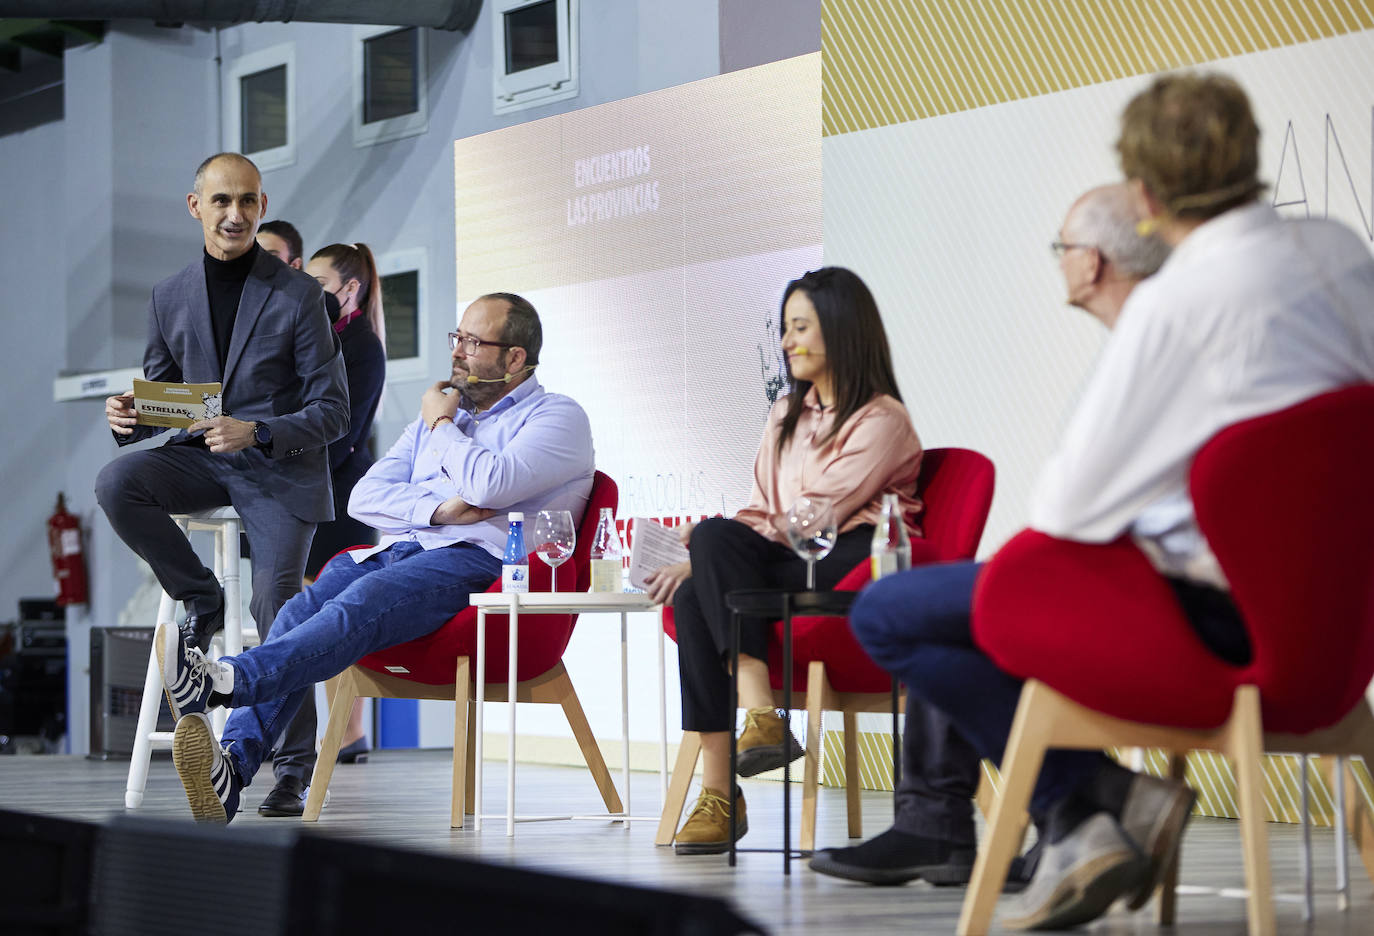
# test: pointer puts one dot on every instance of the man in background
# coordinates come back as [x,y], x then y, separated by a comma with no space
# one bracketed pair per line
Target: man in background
[283,241]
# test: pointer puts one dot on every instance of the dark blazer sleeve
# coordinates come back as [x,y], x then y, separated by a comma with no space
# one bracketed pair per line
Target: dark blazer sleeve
[323,416]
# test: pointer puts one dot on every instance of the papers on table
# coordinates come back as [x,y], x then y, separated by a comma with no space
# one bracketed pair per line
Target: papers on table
[176,405]
[654,546]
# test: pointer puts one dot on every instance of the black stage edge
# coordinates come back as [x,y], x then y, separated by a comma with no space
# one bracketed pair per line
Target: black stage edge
[146,877]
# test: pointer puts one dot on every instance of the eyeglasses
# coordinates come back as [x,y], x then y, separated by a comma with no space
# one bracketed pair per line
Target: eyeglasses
[1059,248]
[471,344]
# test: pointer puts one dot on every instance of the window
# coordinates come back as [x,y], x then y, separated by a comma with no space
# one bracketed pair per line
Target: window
[391,85]
[401,305]
[536,44]
[262,99]
[260,110]
[390,99]
[531,36]
[408,341]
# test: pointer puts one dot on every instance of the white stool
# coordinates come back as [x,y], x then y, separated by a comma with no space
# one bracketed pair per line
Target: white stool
[224,523]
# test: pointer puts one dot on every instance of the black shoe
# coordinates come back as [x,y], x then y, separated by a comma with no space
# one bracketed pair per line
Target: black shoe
[355,753]
[286,799]
[896,857]
[197,629]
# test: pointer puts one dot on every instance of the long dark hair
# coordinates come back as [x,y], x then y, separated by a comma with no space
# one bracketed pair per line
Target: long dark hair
[355,261]
[855,346]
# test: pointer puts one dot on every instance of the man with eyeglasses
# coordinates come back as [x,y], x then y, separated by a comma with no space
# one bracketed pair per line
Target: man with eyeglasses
[932,837]
[488,440]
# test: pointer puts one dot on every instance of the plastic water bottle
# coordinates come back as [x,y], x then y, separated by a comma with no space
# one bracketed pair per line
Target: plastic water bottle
[606,555]
[515,566]
[891,545]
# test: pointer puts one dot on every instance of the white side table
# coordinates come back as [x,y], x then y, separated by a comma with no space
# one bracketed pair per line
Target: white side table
[579,603]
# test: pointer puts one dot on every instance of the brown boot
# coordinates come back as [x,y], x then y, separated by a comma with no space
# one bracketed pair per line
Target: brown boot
[763,742]
[707,829]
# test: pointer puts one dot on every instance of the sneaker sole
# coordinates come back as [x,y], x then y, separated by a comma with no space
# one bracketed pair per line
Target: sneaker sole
[710,848]
[765,757]
[193,753]
[160,645]
[1085,894]
[1166,837]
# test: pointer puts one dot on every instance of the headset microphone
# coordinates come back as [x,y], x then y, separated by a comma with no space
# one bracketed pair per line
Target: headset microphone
[474,379]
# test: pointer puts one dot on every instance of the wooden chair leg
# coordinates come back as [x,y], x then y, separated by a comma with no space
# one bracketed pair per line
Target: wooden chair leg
[986,794]
[591,753]
[1167,902]
[460,743]
[339,713]
[852,800]
[1037,711]
[688,753]
[1245,747]
[815,689]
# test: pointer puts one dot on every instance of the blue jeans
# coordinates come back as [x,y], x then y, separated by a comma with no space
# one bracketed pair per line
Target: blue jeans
[917,626]
[353,609]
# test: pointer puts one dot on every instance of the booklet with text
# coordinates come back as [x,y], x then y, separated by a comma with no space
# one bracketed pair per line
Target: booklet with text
[653,547]
[176,405]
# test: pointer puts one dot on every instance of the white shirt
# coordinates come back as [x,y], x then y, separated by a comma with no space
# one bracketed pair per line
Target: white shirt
[1250,314]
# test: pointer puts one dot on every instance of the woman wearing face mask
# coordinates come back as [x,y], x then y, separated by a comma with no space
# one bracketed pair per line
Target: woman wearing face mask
[348,273]
[842,434]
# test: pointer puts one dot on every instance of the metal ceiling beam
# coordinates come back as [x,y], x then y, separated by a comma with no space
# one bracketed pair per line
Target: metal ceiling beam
[436,14]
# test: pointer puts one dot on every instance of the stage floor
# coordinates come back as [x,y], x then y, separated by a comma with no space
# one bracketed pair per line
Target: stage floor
[401,798]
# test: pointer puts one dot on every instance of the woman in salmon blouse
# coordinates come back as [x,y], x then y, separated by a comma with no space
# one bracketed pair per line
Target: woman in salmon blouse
[841,434]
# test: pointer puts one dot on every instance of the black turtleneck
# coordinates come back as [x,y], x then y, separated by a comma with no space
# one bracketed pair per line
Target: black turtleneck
[224,281]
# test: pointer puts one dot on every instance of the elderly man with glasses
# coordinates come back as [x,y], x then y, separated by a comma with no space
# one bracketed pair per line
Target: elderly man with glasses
[488,440]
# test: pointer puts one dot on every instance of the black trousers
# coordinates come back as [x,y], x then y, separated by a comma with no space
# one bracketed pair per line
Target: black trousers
[728,556]
[939,777]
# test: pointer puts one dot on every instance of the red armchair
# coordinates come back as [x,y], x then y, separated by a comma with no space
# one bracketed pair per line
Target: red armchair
[437,666]
[829,666]
[1284,501]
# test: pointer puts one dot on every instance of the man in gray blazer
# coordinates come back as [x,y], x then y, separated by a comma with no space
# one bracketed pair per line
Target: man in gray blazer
[240,316]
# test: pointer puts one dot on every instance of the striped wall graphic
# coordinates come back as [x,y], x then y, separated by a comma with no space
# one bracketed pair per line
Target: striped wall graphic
[1207,772]
[892,61]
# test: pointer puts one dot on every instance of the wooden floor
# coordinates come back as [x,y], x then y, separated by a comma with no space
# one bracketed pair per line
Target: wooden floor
[401,798]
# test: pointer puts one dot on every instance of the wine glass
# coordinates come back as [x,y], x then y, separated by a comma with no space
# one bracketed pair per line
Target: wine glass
[554,539]
[810,527]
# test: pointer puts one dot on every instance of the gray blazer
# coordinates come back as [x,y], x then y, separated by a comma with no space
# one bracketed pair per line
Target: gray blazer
[285,367]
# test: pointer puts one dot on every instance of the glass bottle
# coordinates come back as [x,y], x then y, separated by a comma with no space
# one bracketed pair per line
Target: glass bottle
[606,554]
[515,565]
[891,545]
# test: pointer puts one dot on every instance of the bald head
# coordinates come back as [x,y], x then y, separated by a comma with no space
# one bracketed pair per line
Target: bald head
[1103,257]
[1105,218]
[237,160]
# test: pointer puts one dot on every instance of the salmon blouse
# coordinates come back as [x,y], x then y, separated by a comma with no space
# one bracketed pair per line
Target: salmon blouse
[876,452]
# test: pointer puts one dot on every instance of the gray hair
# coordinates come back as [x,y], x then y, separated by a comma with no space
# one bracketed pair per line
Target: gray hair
[199,184]
[1106,219]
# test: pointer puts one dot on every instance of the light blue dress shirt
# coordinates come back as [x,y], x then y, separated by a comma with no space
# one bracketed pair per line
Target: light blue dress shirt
[531,451]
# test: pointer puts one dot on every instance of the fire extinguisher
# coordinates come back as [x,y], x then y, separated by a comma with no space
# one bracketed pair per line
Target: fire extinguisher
[64,548]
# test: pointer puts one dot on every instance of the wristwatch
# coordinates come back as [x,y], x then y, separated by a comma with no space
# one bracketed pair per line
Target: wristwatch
[262,437]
